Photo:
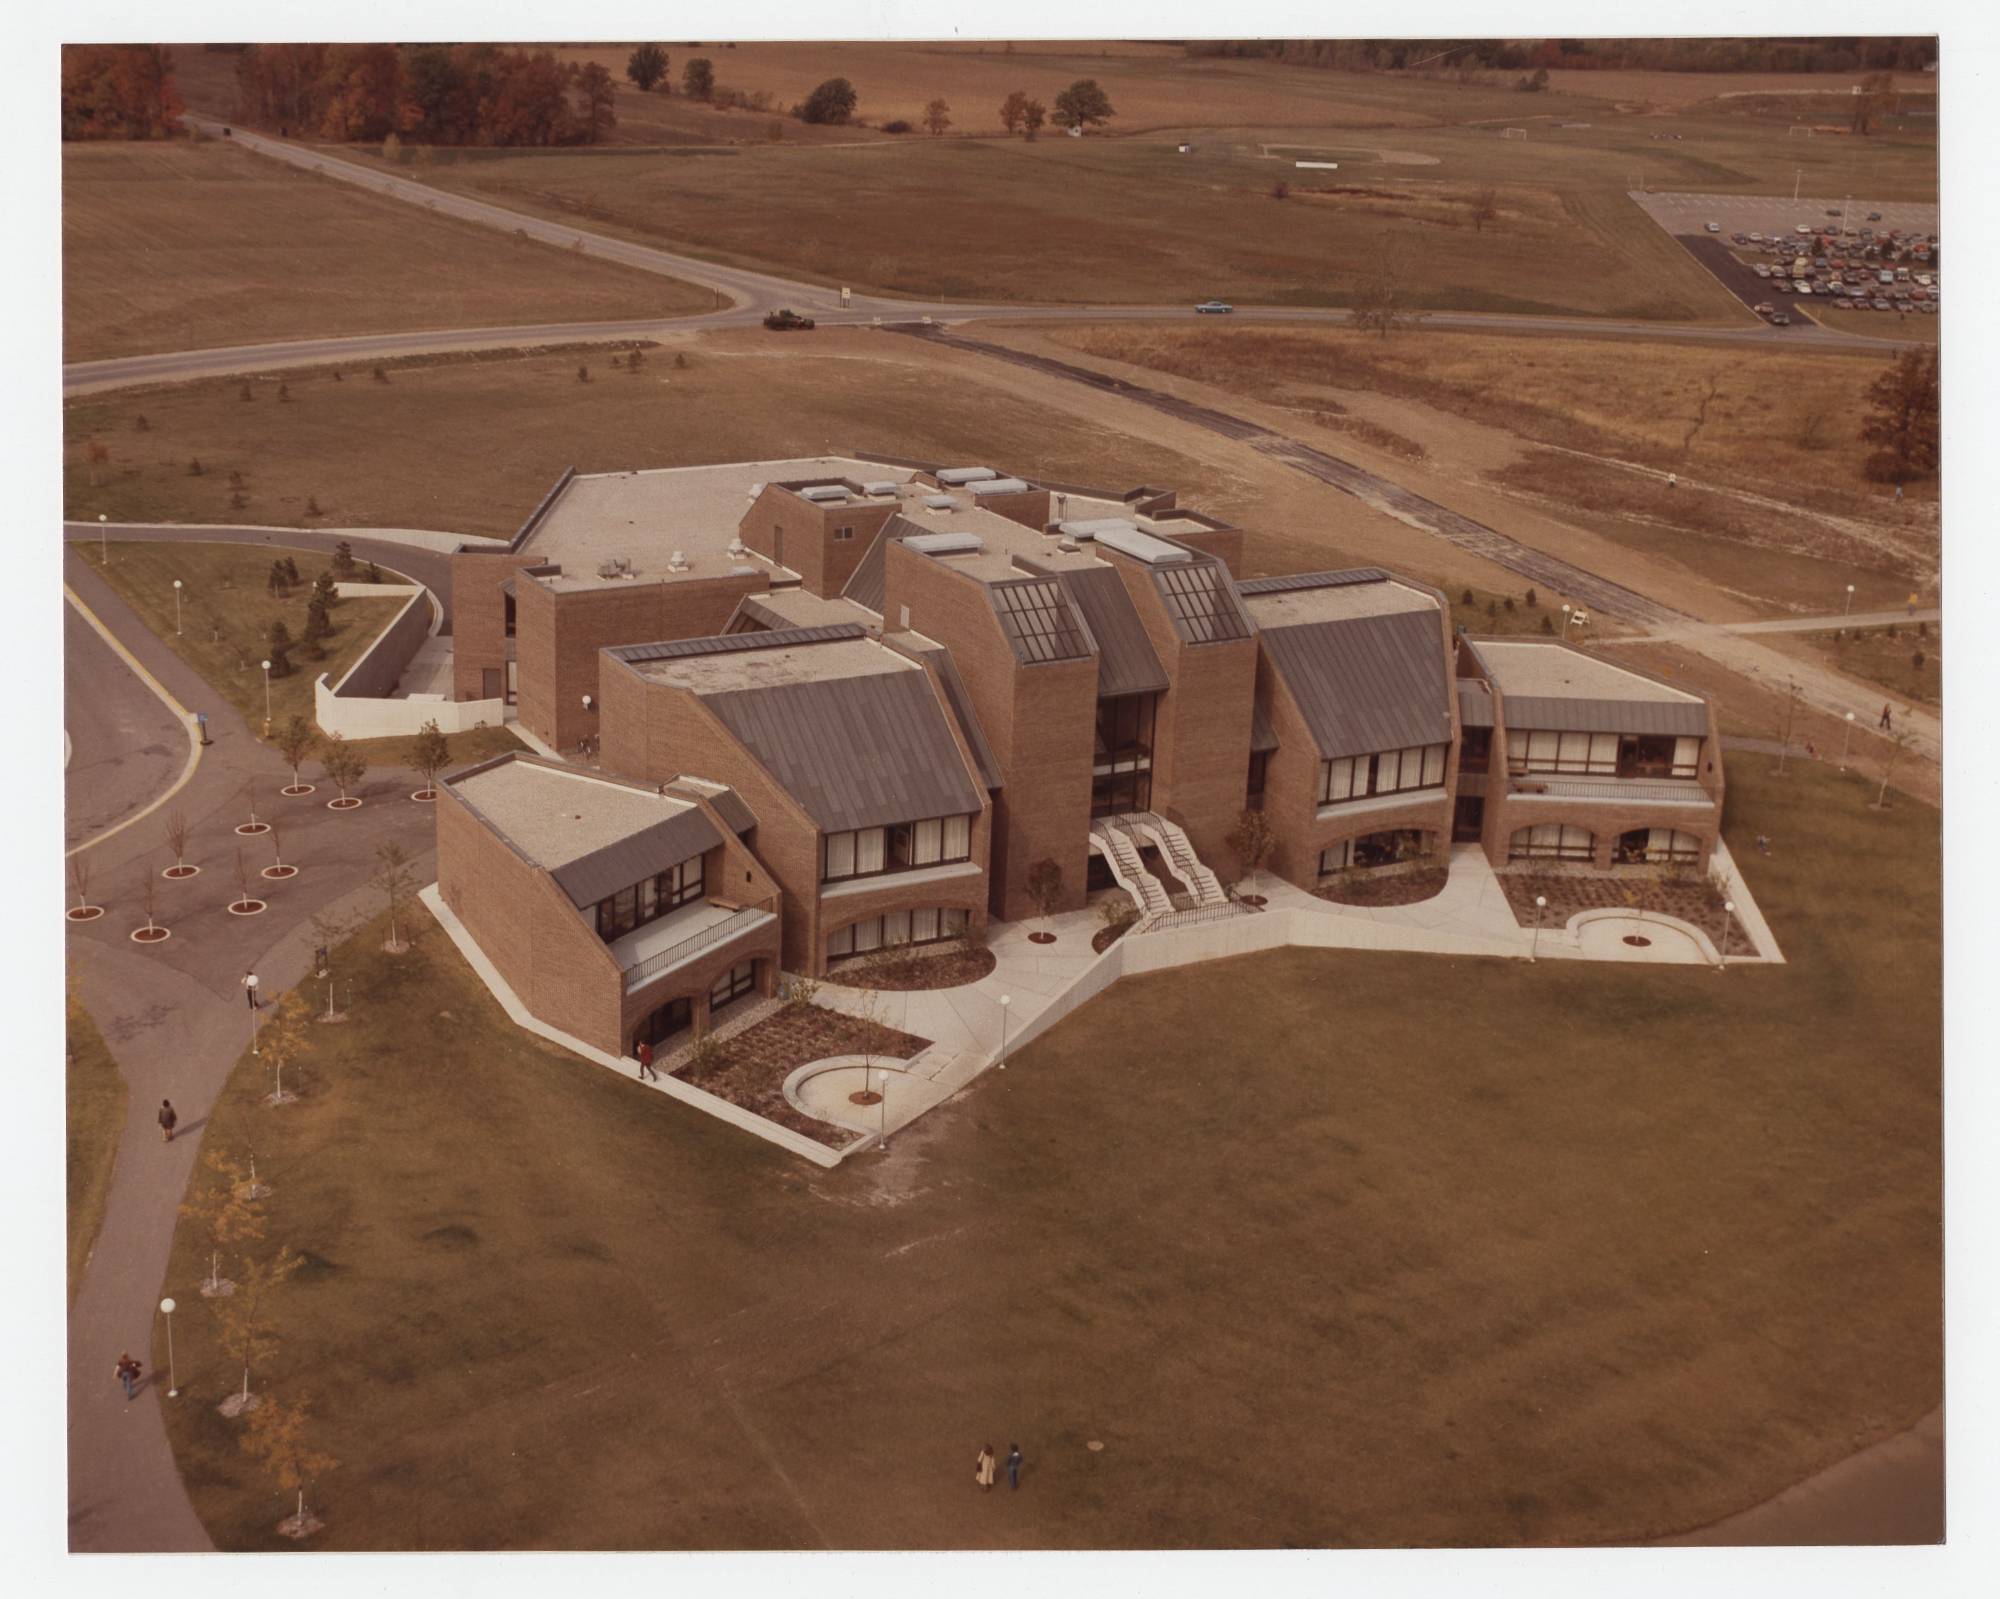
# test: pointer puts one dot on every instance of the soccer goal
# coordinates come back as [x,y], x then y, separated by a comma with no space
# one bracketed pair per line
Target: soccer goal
[1800,127]
[1513,133]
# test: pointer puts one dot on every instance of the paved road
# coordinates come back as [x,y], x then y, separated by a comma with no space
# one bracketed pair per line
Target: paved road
[174,1018]
[743,295]
[126,748]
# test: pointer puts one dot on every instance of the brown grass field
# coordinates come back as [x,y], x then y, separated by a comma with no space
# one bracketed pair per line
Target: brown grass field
[1535,1283]
[94,1117]
[188,245]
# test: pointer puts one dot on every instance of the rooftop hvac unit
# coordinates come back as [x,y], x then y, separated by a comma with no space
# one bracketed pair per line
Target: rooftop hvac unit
[824,491]
[677,562]
[756,489]
[1140,546]
[940,502]
[735,548]
[956,475]
[1068,544]
[882,487]
[945,543]
[999,485]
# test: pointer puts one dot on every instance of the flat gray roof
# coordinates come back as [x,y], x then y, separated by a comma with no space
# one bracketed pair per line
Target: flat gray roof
[1555,671]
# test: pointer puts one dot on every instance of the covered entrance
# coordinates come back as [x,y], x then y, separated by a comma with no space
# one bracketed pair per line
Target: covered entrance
[666,1022]
[1468,818]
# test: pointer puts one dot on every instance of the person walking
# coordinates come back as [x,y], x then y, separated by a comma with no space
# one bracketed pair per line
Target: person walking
[128,1374]
[250,988]
[168,1118]
[644,1053]
[1884,724]
[982,1471]
[1014,1466]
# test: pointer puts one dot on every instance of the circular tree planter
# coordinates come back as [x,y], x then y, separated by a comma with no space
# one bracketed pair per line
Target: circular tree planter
[83,913]
[252,829]
[1254,899]
[349,804]
[425,796]
[181,869]
[1041,938]
[298,790]
[300,1526]
[238,1404]
[217,1288]
[278,874]
[282,1096]
[246,907]
[864,1096]
[150,935]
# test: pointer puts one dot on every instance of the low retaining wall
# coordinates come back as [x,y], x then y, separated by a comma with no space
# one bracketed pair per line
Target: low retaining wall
[379,668]
[362,718]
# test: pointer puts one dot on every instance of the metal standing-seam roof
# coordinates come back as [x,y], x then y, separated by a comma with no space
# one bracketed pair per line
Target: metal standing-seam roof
[1367,683]
[854,751]
[1126,660]
[735,643]
[1475,704]
[1289,581]
[604,872]
[870,580]
[1263,736]
[1606,716]
[959,698]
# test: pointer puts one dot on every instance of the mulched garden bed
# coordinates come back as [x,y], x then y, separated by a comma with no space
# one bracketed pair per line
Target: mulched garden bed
[907,970]
[750,1069]
[1386,885]
[1637,888]
[1105,937]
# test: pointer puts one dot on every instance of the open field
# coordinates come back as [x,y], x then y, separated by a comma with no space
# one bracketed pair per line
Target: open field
[470,445]
[1887,656]
[94,1116]
[1525,1284]
[190,245]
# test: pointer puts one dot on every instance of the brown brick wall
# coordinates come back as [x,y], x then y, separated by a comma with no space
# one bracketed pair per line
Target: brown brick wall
[824,563]
[1040,720]
[479,619]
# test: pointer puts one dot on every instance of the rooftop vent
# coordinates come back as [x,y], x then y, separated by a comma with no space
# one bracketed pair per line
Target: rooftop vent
[616,566]
[756,489]
[940,502]
[1092,527]
[1000,485]
[1068,544]
[956,475]
[1140,546]
[736,551]
[824,491]
[882,486]
[945,543]
[677,562]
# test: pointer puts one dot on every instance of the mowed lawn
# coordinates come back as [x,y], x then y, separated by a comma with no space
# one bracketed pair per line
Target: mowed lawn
[1324,1248]
[182,245]
[94,1115]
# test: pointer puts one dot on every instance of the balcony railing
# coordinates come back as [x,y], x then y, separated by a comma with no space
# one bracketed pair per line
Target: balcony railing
[716,933]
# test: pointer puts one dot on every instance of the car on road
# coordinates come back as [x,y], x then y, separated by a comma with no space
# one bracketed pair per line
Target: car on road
[785,320]
[1214,308]
[1780,319]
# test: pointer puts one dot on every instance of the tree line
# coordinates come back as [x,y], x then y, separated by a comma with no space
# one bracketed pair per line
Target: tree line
[119,91]
[449,94]
[1849,54]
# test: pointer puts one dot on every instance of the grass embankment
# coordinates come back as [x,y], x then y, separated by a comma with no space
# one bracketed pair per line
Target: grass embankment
[472,444]
[226,615]
[182,246]
[94,1116]
[1554,1266]
[1890,656]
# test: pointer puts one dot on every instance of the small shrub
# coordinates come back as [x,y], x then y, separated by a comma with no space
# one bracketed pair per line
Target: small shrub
[140,424]
[1466,599]
[1280,190]
[898,126]
[1923,630]
[1510,602]
[681,361]
[236,480]
[1493,609]
[381,376]
[799,993]
[195,468]
[1917,660]
[1892,630]
[618,360]
[1533,602]
[583,374]
[774,130]
[244,392]
[634,361]
[284,393]
[236,500]
[337,377]
[312,506]
[1548,626]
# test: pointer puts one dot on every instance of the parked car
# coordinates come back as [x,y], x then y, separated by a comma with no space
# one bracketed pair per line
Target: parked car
[1713,227]
[1763,308]
[1739,238]
[1924,278]
[1803,227]
[1874,216]
[1214,308]
[785,320]
[1780,319]
[1761,270]
[1881,305]
[1929,307]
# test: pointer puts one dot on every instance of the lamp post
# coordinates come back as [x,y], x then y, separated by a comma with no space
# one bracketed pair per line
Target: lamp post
[177,607]
[1846,733]
[1006,1001]
[1722,949]
[103,549]
[883,1143]
[1797,175]
[1535,943]
[1849,610]
[267,697]
[173,1386]
[1566,616]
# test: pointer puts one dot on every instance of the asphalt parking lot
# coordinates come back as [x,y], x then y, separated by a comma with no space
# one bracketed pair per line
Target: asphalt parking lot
[1767,214]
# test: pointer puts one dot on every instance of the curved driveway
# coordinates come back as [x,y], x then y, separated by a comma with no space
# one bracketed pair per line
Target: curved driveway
[749,293]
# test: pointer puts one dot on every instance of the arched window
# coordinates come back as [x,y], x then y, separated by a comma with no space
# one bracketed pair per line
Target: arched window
[1656,846]
[1551,841]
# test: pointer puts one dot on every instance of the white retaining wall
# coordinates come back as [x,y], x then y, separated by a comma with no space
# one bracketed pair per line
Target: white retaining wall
[356,718]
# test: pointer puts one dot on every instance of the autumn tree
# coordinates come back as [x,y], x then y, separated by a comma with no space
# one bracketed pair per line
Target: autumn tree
[1485,208]
[1033,115]
[276,1437]
[1876,100]
[119,91]
[1253,840]
[1903,419]
[296,740]
[360,90]
[1084,105]
[224,1209]
[280,646]
[80,874]
[937,116]
[833,102]
[244,1322]
[646,66]
[1045,886]
[698,79]
[1013,110]
[177,839]
[343,764]
[430,753]
[597,88]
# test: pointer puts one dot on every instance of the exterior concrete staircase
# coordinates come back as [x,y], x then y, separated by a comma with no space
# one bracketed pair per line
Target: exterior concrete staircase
[1178,852]
[1121,852]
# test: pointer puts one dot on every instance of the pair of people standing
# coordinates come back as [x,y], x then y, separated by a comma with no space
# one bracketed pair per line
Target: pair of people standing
[983,1468]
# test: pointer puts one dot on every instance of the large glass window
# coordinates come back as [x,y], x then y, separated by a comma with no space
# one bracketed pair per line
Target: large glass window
[894,928]
[1373,849]
[733,984]
[1551,841]
[871,851]
[1391,772]
[1657,846]
[649,900]
[1571,754]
